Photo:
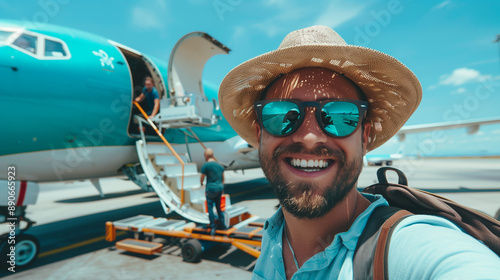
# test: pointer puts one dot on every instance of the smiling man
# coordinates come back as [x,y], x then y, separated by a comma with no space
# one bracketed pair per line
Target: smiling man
[314,107]
[303,167]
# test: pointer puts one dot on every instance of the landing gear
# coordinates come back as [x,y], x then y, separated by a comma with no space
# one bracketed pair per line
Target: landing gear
[26,250]
[191,251]
[135,173]
[17,249]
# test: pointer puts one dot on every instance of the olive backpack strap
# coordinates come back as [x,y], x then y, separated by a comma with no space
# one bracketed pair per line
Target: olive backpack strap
[370,256]
[480,226]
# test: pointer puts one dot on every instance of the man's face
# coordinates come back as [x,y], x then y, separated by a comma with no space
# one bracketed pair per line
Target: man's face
[149,85]
[312,191]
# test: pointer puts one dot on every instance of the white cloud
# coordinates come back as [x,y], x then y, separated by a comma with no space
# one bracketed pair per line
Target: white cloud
[291,15]
[461,76]
[459,91]
[337,13]
[481,62]
[141,17]
[286,14]
[270,28]
[239,33]
[276,24]
[441,5]
[149,14]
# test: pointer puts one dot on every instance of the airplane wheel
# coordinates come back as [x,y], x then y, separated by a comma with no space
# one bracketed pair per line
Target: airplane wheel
[191,251]
[26,251]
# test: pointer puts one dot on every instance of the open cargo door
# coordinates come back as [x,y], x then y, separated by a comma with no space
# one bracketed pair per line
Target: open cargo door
[187,60]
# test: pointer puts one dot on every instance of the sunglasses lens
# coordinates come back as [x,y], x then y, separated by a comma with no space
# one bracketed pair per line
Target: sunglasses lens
[340,118]
[280,117]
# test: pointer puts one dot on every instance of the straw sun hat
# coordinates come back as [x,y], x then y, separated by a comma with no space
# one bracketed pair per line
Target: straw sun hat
[392,90]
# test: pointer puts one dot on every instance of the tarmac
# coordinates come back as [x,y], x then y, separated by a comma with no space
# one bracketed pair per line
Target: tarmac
[71,216]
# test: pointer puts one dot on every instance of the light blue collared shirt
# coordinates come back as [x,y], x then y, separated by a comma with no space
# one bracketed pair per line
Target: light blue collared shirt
[415,237]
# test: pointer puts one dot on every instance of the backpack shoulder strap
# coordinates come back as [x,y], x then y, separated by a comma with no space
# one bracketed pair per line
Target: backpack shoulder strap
[380,260]
[369,261]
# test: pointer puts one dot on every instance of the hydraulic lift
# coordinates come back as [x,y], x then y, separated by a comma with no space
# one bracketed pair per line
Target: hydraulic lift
[244,232]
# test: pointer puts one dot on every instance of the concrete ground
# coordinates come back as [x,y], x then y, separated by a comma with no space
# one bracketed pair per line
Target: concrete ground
[71,216]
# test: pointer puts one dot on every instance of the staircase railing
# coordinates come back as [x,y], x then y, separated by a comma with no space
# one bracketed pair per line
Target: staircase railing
[151,123]
[193,135]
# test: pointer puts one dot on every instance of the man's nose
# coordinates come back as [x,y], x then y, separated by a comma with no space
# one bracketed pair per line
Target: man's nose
[309,133]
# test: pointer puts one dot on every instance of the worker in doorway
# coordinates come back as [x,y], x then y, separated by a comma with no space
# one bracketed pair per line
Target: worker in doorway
[151,94]
[214,188]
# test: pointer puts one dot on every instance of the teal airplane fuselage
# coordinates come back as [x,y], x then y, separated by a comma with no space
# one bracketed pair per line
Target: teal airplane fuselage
[66,103]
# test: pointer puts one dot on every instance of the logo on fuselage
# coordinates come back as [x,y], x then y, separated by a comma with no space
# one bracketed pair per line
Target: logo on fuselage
[105,59]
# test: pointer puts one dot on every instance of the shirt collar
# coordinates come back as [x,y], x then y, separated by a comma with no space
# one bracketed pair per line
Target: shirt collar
[273,224]
[350,237]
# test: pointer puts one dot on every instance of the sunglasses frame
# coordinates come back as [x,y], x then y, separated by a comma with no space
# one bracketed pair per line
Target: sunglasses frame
[318,105]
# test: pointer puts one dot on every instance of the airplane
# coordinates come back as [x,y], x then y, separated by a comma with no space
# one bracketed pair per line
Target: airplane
[68,114]
[381,159]
[472,127]
[77,102]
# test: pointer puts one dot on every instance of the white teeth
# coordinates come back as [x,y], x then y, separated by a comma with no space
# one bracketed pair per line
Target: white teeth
[311,170]
[309,163]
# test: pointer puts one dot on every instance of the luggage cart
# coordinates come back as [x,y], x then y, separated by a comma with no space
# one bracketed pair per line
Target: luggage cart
[245,233]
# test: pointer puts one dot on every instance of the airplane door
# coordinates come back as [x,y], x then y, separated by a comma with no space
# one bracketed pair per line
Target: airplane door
[140,67]
[186,63]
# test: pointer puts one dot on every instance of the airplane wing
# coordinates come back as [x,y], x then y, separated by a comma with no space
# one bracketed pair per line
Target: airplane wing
[471,125]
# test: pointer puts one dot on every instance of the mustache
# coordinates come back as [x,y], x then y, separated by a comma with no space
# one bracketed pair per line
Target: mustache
[321,151]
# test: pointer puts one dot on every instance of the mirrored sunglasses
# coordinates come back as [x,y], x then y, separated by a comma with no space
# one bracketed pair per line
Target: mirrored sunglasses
[338,118]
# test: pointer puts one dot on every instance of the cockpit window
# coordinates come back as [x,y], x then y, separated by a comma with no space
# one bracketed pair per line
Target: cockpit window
[4,35]
[54,49]
[26,42]
[39,46]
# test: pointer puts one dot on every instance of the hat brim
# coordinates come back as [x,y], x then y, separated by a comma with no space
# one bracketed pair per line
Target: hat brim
[392,90]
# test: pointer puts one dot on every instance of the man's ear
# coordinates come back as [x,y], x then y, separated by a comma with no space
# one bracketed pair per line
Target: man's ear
[366,134]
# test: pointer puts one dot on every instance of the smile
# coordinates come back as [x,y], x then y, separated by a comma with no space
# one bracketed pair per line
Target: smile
[310,165]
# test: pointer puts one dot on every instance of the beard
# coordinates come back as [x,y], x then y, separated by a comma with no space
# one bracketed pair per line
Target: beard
[303,199]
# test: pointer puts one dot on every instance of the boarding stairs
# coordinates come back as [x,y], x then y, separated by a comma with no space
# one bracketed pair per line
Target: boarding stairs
[171,175]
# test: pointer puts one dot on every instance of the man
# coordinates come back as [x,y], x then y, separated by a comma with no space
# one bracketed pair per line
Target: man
[214,172]
[314,107]
[151,94]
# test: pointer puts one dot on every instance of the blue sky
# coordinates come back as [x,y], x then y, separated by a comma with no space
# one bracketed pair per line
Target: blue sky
[447,44]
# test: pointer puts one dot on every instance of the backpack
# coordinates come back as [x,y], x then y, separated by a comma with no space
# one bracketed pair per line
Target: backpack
[370,257]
